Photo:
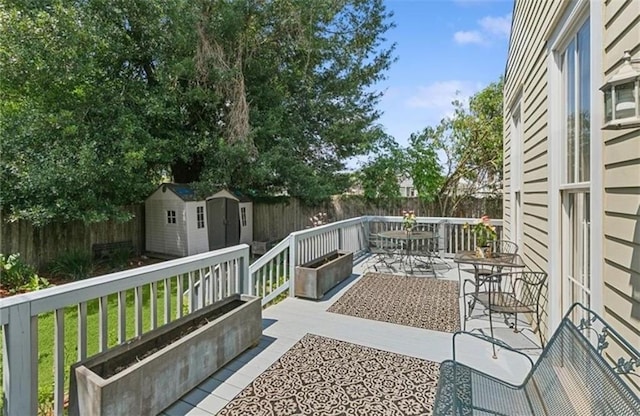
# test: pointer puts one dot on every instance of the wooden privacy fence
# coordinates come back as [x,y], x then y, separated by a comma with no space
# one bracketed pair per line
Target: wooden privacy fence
[276,220]
[272,221]
[41,245]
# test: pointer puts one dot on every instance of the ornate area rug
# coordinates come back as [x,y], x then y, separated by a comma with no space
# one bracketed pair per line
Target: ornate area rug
[324,376]
[421,302]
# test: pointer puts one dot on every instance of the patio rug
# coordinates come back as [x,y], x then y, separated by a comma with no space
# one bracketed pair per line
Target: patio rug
[324,376]
[421,302]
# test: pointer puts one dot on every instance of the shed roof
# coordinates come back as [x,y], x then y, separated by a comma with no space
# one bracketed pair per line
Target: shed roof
[183,191]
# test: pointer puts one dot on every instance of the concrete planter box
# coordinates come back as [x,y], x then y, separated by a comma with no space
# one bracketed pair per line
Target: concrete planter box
[200,344]
[317,277]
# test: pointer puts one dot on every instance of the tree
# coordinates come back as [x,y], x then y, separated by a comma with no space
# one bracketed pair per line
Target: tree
[380,175]
[297,79]
[469,146]
[102,99]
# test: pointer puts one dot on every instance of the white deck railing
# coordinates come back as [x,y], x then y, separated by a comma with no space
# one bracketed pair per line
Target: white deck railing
[164,284]
[171,289]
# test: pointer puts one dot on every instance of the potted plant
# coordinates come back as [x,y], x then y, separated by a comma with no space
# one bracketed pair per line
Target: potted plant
[485,233]
[408,220]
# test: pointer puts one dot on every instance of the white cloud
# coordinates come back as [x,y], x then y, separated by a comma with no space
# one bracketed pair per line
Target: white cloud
[471,36]
[436,98]
[500,26]
[490,27]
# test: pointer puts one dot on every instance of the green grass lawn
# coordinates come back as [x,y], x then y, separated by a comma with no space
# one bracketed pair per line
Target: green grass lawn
[46,336]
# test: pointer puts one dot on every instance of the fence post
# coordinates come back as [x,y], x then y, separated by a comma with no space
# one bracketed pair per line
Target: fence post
[20,361]
[293,249]
[340,239]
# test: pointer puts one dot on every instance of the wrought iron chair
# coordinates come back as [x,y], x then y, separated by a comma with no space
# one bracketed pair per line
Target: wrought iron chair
[507,293]
[388,252]
[586,368]
[498,248]
[426,249]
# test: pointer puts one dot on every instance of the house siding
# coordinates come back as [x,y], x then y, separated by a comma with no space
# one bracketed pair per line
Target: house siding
[527,77]
[621,156]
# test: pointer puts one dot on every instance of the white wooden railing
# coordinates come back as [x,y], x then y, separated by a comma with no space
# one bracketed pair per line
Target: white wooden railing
[19,315]
[171,289]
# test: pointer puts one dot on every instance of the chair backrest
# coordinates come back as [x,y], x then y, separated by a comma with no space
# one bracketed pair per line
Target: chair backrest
[586,368]
[504,247]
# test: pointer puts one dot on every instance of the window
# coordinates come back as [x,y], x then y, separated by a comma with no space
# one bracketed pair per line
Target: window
[200,217]
[171,217]
[578,113]
[243,216]
[576,196]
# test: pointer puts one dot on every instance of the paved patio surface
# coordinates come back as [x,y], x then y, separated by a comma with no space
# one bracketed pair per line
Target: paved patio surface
[287,323]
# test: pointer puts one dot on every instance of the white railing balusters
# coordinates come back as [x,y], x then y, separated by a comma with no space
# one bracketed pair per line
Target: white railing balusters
[122,316]
[103,330]
[153,302]
[137,305]
[167,300]
[82,330]
[58,362]
[179,295]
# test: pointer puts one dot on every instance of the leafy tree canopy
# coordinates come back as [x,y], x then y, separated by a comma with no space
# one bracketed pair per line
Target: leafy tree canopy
[469,147]
[100,99]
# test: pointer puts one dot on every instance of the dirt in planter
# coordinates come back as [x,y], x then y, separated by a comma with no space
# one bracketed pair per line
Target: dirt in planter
[117,364]
[324,261]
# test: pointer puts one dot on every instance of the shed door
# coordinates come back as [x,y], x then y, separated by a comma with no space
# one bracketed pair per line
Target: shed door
[223,220]
[233,222]
[216,209]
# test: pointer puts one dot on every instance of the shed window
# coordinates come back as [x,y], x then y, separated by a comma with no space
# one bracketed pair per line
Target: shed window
[243,216]
[171,217]
[200,216]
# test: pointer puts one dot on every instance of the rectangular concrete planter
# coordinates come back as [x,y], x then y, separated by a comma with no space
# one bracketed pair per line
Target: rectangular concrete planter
[317,277]
[203,342]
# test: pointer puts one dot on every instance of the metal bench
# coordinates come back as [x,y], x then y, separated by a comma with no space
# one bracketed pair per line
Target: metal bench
[578,373]
[102,251]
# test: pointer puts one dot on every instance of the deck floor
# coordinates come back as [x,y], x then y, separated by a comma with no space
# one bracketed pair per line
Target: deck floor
[288,321]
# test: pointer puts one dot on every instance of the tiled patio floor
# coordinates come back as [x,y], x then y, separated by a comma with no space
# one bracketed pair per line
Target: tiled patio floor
[288,321]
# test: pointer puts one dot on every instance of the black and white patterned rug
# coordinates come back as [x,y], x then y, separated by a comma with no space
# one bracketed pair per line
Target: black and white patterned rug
[421,302]
[324,376]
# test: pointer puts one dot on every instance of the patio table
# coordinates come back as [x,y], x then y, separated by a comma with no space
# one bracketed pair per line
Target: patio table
[497,261]
[409,239]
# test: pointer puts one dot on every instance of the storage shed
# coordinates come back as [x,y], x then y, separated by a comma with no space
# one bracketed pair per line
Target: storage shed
[178,223]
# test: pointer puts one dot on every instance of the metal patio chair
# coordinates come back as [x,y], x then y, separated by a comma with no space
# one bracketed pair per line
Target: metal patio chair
[388,252]
[507,293]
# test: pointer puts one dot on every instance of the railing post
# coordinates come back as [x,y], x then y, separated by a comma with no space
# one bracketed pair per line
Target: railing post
[442,238]
[293,251]
[245,275]
[20,360]
[340,239]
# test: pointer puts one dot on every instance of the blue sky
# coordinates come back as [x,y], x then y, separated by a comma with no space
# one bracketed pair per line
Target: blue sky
[443,46]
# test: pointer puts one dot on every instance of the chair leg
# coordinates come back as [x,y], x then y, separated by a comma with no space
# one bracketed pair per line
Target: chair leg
[464,315]
[493,346]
